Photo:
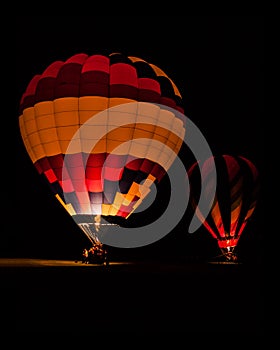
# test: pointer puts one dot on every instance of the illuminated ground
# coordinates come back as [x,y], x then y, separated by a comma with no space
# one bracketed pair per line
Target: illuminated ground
[144,297]
[24,262]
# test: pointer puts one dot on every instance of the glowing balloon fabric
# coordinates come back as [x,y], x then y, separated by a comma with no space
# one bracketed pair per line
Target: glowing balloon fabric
[66,96]
[235,199]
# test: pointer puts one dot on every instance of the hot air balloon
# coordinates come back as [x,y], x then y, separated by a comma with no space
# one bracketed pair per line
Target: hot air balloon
[74,119]
[236,191]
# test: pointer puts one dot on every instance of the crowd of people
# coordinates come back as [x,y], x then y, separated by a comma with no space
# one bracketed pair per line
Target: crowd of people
[96,254]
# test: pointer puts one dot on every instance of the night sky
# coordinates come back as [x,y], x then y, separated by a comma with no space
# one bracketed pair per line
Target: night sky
[217,65]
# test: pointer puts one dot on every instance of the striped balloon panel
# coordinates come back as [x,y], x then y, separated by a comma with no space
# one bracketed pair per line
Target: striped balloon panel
[235,199]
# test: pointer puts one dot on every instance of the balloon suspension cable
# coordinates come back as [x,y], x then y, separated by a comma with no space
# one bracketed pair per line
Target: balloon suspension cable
[90,233]
[94,230]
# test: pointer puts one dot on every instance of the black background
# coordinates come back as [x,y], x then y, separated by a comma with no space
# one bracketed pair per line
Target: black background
[216,63]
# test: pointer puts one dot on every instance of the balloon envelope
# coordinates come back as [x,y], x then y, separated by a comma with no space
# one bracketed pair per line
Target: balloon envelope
[97,103]
[235,198]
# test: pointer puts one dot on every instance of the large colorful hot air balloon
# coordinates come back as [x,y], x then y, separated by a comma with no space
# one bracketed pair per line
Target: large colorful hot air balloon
[84,109]
[236,193]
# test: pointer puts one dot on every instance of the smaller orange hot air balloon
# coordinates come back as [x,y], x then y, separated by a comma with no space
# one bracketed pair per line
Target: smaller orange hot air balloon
[237,187]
